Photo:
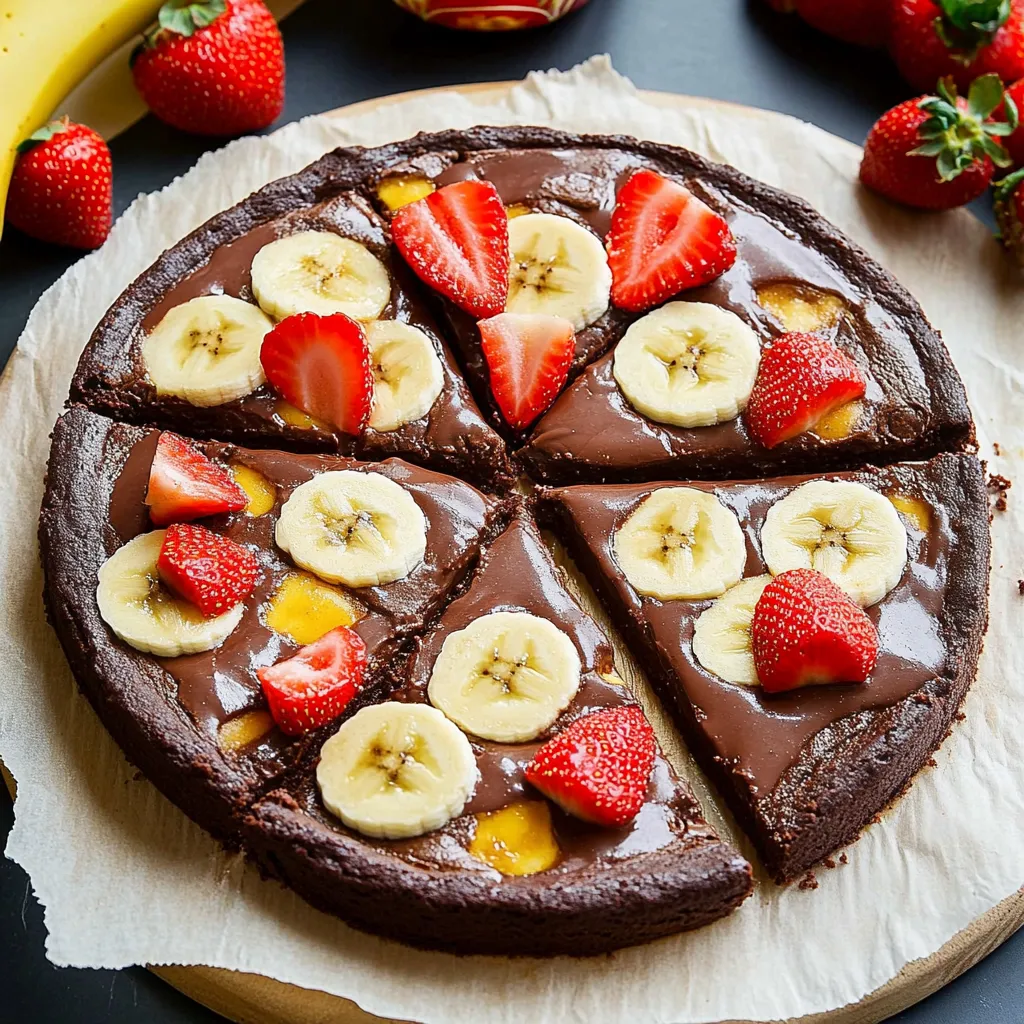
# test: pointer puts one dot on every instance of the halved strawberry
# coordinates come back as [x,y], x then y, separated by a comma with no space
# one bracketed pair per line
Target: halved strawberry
[184,484]
[599,767]
[314,685]
[806,631]
[663,239]
[456,239]
[211,571]
[321,364]
[528,355]
[802,378]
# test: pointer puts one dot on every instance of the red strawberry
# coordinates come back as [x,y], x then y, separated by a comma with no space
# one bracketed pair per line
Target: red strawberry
[211,571]
[806,631]
[528,355]
[598,768]
[1009,210]
[214,67]
[456,239]
[62,186]
[864,22]
[937,152]
[802,378]
[321,364]
[184,484]
[663,239]
[314,685]
[930,39]
[1014,142]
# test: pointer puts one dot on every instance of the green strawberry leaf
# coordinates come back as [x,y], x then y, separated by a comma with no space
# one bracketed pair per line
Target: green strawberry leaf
[965,26]
[183,17]
[43,134]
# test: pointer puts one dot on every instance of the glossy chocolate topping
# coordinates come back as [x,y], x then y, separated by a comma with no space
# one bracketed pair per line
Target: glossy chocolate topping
[759,735]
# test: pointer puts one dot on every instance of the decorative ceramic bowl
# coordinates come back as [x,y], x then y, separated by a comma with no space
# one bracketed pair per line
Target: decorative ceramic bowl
[490,15]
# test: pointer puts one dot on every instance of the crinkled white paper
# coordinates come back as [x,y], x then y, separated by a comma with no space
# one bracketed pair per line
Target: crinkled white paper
[126,879]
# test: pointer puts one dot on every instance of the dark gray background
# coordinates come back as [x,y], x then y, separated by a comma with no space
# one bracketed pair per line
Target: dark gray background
[341,51]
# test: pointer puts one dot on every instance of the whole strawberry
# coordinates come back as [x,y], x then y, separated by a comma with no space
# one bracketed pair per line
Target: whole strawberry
[930,39]
[1009,210]
[864,22]
[62,186]
[213,68]
[938,152]
[1014,142]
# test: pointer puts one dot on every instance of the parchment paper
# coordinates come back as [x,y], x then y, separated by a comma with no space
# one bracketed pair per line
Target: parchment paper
[126,879]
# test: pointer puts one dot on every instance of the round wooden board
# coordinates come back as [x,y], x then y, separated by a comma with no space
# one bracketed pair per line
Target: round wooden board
[254,999]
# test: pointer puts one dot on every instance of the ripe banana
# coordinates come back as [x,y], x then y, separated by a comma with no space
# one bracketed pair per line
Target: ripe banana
[558,268]
[360,529]
[396,770]
[681,544]
[319,272]
[689,364]
[142,612]
[506,677]
[721,635]
[843,529]
[407,373]
[207,350]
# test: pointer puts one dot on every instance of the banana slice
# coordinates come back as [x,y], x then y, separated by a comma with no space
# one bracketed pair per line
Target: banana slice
[506,677]
[721,635]
[407,374]
[681,543]
[142,612]
[319,272]
[843,529]
[207,350]
[558,268]
[360,529]
[689,364]
[396,770]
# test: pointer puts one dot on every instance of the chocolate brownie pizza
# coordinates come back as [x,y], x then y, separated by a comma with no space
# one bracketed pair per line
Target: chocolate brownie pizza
[284,558]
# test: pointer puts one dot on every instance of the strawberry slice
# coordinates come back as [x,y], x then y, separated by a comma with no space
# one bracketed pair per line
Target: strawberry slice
[802,378]
[321,364]
[211,571]
[806,631]
[456,239]
[315,685]
[184,484]
[663,239]
[599,767]
[528,355]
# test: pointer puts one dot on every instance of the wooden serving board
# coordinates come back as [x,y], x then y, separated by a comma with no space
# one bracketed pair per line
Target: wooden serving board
[254,999]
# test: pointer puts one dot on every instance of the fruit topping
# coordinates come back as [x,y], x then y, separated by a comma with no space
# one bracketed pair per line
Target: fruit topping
[918,512]
[260,493]
[208,570]
[803,377]
[184,484]
[456,240]
[721,634]
[304,608]
[407,374]
[321,364]
[506,677]
[801,307]
[517,839]
[1009,211]
[805,631]
[243,730]
[663,239]
[402,189]
[599,767]
[315,684]
[396,770]
[528,356]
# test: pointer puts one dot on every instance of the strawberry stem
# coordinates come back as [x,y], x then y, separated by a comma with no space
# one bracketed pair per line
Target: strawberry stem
[183,18]
[965,26]
[44,134]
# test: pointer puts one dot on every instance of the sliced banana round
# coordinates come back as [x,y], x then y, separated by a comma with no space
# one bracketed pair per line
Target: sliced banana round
[506,677]
[721,634]
[144,613]
[360,529]
[681,544]
[319,272]
[843,529]
[396,770]
[207,350]
[407,373]
[689,364]
[558,268]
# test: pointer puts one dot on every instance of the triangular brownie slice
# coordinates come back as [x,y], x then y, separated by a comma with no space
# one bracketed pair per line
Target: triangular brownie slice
[509,872]
[803,770]
[198,724]
[318,246]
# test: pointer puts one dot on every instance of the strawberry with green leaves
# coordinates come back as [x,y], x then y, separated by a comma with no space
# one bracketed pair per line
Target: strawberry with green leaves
[938,152]
[1009,210]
